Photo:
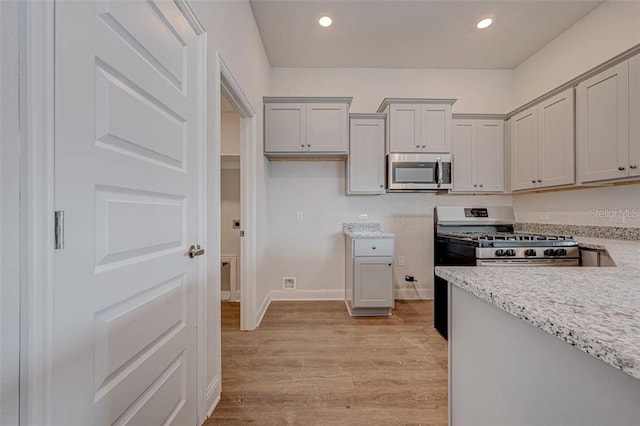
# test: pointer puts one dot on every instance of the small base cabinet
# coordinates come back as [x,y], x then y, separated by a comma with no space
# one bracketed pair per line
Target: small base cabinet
[369,276]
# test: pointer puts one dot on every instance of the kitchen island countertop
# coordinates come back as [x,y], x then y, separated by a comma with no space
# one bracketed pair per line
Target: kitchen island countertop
[594,309]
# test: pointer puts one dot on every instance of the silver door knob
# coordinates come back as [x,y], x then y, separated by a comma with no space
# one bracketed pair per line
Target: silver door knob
[195,251]
[621,168]
[633,166]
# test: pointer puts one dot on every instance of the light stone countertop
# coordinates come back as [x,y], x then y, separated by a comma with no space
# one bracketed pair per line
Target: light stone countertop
[594,309]
[364,230]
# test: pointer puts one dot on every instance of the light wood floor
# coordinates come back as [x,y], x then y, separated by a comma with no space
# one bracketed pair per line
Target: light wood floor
[309,363]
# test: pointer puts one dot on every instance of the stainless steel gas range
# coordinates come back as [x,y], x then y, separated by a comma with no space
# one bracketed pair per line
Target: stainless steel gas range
[484,236]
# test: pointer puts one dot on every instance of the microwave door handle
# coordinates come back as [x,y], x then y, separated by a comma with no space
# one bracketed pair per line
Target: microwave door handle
[439,167]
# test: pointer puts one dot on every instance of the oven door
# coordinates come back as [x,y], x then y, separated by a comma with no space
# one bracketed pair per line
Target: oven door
[528,262]
[419,172]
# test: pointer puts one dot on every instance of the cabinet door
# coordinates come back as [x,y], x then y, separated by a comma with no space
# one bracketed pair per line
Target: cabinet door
[373,282]
[366,156]
[489,156]
[435,128]
[327,129]
[634,116]
[464,134]
[404,125]
[556,140]
[284,127]
[524,149]
[603,124]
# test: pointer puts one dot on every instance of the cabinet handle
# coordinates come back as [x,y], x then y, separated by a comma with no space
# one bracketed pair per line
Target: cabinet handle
[381,186]
[302,145]
[633,166]
[533,181]
[309,145]
[481,185]
[621,168]
[417,146]
[475,185]
[424,146]
[390,264]
[373,247]
[539,180]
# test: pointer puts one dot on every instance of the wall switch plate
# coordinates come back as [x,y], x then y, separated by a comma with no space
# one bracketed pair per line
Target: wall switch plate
[299,216]
[363,216]
[288,283]
[401,261]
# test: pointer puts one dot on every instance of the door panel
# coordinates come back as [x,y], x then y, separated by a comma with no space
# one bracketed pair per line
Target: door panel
[435,128]
[603,124]
[285,127]
[489,155]
[556,140]
[462,147]
[126,172]
[366,156]
[327,128]
[405,128]
[373,282]
[524,151]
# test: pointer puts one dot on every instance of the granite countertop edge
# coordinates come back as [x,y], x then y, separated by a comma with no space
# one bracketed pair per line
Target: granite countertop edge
[619,351]
[368,234]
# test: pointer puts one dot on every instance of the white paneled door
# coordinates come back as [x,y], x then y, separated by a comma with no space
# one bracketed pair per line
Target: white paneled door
[126,176]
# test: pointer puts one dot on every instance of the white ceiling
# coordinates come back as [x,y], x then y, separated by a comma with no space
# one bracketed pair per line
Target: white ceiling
[411,34]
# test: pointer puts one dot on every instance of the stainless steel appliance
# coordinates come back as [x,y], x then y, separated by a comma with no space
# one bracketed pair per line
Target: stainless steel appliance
[485,236]
[419,172]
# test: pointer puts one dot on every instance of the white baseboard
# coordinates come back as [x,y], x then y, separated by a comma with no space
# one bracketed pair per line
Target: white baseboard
[414,294]
[307,294]
[263,309]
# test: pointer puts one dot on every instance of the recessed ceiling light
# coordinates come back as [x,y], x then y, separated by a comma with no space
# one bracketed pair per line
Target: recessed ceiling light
[484,23]
[325,21]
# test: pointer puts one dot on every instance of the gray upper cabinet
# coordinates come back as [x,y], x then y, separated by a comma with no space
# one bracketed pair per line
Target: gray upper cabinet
[306,127]
[418,125]
[478,154]
[365,165]
[603,125]
[634,116]
[542,142]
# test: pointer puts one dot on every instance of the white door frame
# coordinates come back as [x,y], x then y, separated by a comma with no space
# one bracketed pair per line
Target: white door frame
[232,90]
[37,43]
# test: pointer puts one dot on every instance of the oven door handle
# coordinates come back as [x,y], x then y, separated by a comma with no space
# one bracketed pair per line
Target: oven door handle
[439,171]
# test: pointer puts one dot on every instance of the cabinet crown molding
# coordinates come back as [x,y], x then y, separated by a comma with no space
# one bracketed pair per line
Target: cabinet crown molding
[439,101]
[371,115]
[306,99]
[473,116]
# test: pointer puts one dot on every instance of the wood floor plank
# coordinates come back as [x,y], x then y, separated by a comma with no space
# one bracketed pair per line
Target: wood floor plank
[310,363]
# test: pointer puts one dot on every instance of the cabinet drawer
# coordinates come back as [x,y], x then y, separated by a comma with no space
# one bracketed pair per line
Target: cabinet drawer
[373,247]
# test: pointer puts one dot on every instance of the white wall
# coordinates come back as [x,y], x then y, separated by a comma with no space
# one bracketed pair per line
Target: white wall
[230,133]
[313,250]
[607,31]
[9,215]
[487,91]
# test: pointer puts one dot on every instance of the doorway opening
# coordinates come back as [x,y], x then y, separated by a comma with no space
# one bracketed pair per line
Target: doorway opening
[230,202]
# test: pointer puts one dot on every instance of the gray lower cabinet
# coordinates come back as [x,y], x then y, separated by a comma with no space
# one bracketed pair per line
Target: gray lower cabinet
[369,276]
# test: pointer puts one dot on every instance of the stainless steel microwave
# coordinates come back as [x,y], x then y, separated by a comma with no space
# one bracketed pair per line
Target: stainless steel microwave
[415,172]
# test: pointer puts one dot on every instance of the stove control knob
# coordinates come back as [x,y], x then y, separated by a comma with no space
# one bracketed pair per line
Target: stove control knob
[561,252]
[510,252]
[530,252]
[499,253]
[550,252]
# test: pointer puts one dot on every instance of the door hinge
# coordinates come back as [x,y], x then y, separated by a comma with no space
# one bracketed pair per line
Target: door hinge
[59,229]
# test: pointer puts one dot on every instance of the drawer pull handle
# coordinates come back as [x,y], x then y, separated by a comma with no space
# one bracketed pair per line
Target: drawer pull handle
[633,166]
[621,168]
[373,247]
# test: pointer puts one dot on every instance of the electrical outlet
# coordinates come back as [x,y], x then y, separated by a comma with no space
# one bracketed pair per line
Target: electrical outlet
[401,261]
[363,216]
[288,283]
[299,216]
